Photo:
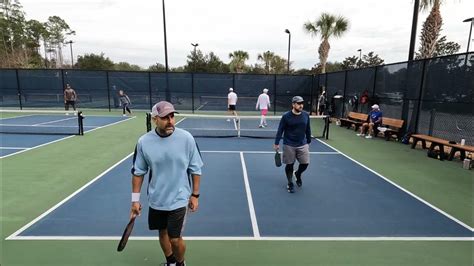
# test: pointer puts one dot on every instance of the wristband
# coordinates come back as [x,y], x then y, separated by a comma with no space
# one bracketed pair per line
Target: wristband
[195,195]
[135,197]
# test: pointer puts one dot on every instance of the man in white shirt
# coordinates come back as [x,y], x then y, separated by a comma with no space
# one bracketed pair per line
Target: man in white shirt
[231,102]
[263,103]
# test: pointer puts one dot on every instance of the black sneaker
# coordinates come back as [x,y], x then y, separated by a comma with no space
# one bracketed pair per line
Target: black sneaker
[299,182]
[290,188]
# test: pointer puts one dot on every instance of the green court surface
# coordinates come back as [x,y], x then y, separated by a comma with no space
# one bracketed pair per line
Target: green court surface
[34,181]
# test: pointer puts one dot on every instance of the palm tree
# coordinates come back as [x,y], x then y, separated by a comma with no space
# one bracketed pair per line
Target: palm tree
[238,60]
[267,59]
[431,27]
[327,26]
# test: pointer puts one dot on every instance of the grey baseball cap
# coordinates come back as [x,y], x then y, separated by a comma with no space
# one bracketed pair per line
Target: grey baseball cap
[297,99]
[162,109]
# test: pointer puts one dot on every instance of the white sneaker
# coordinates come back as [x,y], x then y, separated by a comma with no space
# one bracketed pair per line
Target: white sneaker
[368,137]
[228,120]
[360,135]
[260,126]
[67,113]
[124,115]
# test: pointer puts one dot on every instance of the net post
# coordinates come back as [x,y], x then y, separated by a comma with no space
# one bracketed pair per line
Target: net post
[326,125]
[237,121]
[80,119]
[148,122]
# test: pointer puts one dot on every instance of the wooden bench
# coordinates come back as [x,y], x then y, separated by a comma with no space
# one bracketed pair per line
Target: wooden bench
[441,143]
[354,119]
[393,127]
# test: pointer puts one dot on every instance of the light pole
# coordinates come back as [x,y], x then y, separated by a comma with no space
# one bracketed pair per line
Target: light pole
[194,56]
[72,57]
[360,57]
[167,89]
[468,40]
[414,22]
[470,31]
[289,45]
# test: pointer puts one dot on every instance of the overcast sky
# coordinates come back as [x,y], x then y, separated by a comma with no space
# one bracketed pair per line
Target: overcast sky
[132,31]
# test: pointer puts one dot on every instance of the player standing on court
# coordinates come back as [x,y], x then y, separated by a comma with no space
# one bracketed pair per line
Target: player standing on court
[231,102]
[172,159]
[263,103]
[296,130]
[70,98]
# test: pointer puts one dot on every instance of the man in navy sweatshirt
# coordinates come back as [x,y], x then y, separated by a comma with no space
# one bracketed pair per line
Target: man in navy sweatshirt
[296,130]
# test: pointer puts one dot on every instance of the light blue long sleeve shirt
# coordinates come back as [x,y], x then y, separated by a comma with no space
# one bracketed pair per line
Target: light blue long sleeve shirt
[170,160]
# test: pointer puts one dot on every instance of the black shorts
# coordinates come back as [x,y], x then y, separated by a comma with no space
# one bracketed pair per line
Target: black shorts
[231,107]
[173,221]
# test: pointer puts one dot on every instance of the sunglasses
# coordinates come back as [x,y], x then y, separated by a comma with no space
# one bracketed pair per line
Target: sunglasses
[300,103]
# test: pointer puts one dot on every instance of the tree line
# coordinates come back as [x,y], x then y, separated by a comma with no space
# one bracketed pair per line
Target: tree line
[22,39]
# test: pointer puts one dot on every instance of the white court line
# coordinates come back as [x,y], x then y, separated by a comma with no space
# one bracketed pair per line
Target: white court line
[403,189]
[253,216]
[13,148]
[35,147]
[118,122]
[36,125]
[15,236]
[47,143]
[13,117]
[270,152]
[19,231]
[238,238]
[55,121]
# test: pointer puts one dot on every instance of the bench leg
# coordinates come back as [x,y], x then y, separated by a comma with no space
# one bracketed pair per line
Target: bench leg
[441,152]
[423,144]
[415,141]
[451,154]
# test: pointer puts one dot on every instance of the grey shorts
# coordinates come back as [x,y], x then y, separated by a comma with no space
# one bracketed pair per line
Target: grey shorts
[290,154]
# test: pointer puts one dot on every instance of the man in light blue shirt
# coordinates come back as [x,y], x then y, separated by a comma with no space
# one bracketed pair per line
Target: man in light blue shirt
[171,158]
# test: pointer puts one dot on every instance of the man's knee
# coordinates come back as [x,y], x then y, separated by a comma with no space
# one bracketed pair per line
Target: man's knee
[175,242]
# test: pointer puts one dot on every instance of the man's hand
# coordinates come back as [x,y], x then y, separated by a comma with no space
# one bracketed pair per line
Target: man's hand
[136,209]
[193,203]
[276,147]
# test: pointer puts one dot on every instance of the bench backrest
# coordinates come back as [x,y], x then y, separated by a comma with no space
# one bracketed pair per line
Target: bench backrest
[358,116]
[392,122]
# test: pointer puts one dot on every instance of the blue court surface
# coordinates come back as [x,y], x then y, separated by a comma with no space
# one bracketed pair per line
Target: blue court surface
[60,126]
[243,196]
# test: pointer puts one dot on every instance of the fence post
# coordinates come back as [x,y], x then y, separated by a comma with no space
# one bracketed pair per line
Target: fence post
[420,95]
[18,89]
[108,89]
[432,120]
[150,101]
[274,93]
[375,81]
[311,95]
[344,94]
[192,91]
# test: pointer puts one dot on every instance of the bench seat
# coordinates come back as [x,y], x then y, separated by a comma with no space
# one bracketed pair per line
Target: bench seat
[441,143]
